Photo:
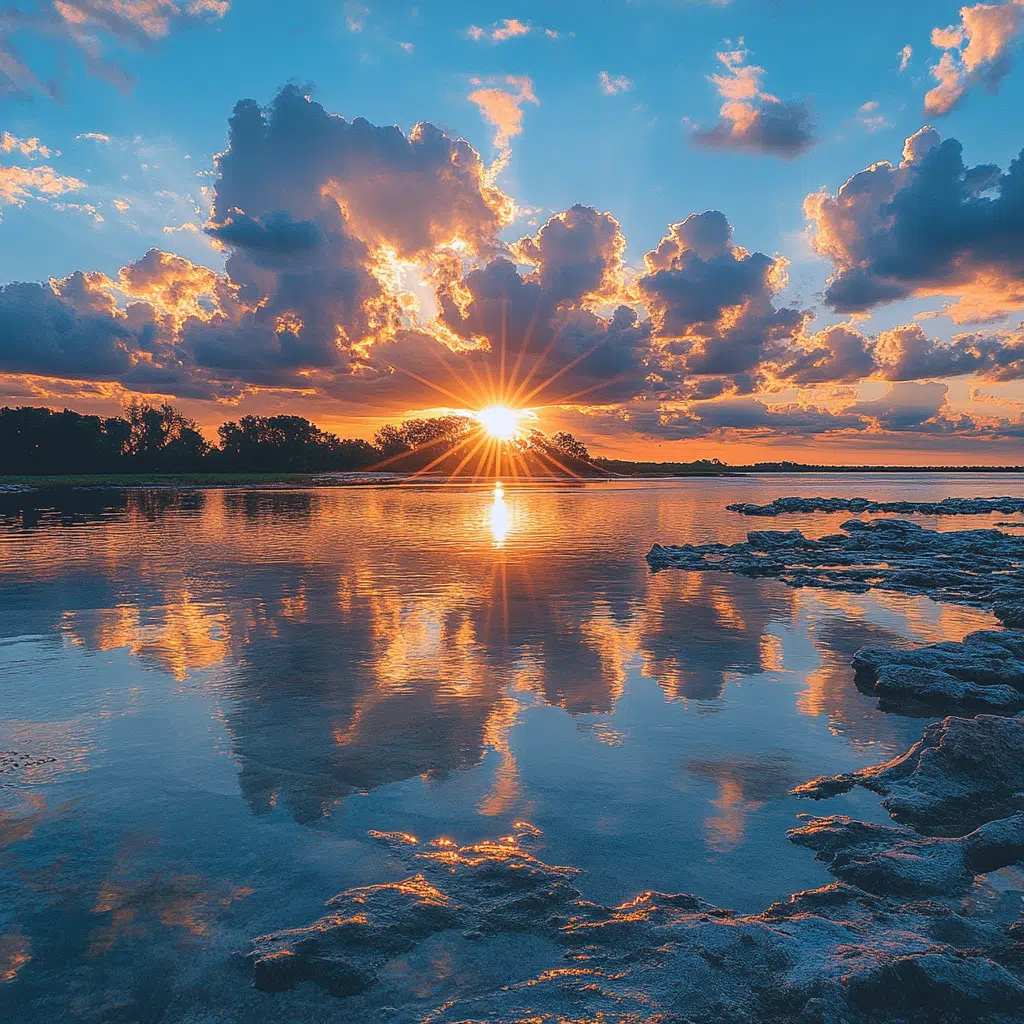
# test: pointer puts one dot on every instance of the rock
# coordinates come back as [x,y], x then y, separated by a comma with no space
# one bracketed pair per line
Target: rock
[946,507]
[12,761]
[962,773]
[892,860]
[835,954]
[985,670]
[984,568]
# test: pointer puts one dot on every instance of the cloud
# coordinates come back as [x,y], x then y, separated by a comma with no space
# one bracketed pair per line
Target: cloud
[19,184]
[364,266]
[976,52]
[928,226]
[98,137]
[909,405]
[31,148]
[869,117]
[355,16]
[842,354]
[507,28]
[612,84]
[712,303]
[752,120]
[503,108]
[90,28]
[905,55]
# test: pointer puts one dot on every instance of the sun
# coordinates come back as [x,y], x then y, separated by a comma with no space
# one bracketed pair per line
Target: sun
[499,421]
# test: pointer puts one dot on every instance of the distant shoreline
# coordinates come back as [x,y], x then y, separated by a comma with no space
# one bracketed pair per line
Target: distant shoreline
[134,481]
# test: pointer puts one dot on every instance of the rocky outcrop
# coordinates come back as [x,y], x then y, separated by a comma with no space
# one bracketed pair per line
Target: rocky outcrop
[984,568]
[839,953]
[962,773]
[946,507]
[985,670]
[892,860]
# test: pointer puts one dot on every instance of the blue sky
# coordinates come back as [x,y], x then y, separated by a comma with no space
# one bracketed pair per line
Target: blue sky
[631,152]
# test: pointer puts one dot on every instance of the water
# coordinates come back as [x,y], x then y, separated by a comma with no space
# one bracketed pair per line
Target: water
[232,688]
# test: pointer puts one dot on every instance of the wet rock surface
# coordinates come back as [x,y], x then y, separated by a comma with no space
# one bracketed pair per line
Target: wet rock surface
[895,860]
[984,568]
[962,773]
[858,953]
[946,507]
[985,670]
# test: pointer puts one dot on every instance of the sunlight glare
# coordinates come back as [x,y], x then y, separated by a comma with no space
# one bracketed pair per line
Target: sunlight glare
[499,421]
[499,517]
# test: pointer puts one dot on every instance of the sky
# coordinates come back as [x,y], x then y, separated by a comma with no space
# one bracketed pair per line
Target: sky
[757,229]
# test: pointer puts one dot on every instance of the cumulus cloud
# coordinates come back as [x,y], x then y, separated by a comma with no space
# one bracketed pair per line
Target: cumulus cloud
[930,225]
[365,264]
[975,52]
[905,55]
[712,303]
[90,28]
[843,354]
[753,120]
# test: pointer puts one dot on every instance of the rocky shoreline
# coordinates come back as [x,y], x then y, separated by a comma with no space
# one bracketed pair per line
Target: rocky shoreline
[858,506]
[891,941]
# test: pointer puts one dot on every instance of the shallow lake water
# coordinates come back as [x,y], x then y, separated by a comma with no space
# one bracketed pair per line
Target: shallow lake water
[228,690]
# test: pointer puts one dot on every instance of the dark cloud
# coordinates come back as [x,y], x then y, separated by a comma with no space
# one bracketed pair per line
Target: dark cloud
[577,253]
[908,405]
[775,129]
[277,234]
[43,333]
[754,121]
[834,355]
[712,303]
[931,225]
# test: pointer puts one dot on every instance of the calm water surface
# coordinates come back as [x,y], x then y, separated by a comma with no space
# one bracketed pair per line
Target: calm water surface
[236,686]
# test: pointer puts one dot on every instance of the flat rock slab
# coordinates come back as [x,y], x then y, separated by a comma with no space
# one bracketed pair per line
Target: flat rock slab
[962,773]
[986,669]
[830,955]
[892,860]
[946,507]
[984,568]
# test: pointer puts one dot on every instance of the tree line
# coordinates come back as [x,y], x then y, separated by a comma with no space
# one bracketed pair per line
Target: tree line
[161,439]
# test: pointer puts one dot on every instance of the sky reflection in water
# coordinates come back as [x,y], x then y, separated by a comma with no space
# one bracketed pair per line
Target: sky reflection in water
[221,692]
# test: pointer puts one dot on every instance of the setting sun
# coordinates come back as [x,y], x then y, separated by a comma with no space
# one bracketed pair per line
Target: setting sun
[499,421]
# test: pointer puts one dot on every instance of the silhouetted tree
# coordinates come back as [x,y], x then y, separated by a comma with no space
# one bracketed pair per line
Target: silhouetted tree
[289,444]
[37,441]
[567,444]
[389,441]
[163,438]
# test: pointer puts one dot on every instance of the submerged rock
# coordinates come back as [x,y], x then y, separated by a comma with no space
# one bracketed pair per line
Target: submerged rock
[984,568]
[12,761]
[962,773]
[946,507]
[835,954]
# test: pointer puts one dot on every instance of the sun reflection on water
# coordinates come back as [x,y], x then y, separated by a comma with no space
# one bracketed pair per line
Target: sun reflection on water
[499,517]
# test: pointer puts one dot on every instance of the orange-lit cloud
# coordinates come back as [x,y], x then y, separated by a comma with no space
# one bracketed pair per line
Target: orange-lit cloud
[888,239]
[976,52]
[753,120]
